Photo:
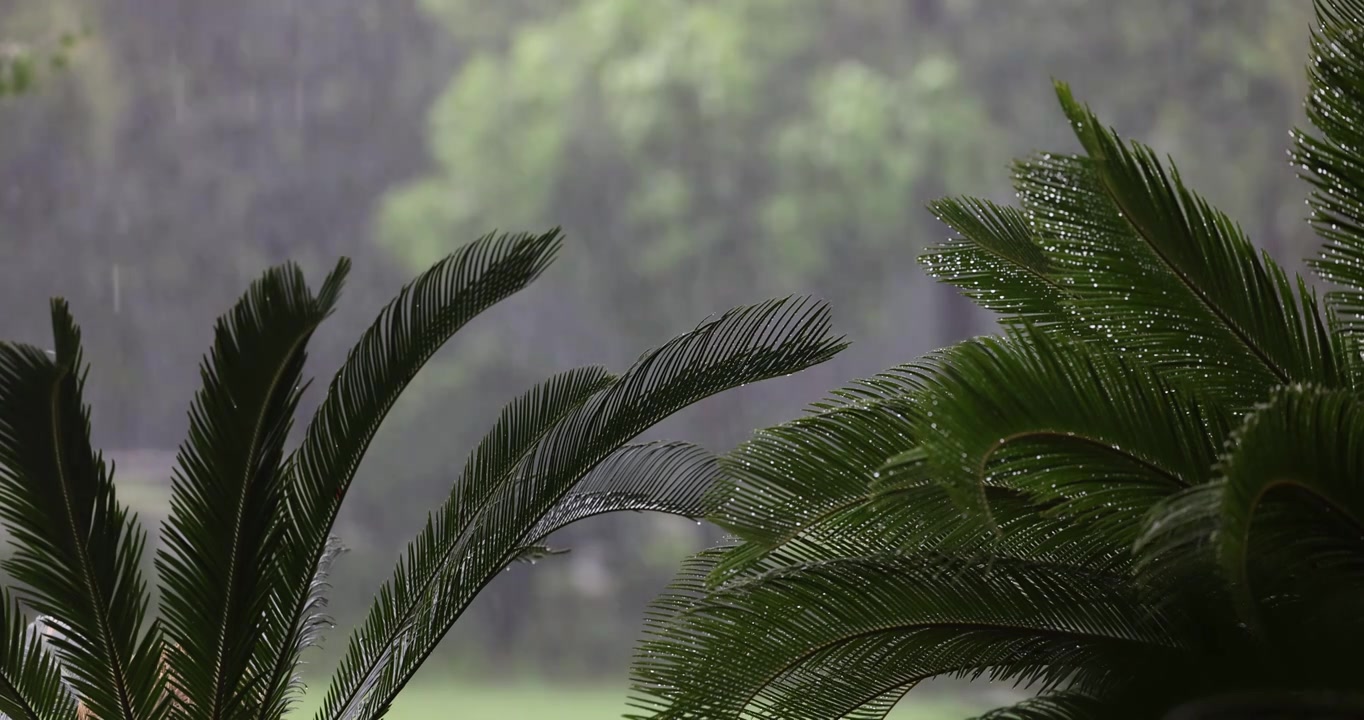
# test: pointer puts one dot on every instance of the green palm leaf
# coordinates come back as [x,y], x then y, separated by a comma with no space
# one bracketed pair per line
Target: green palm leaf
[856,628]
[1102,437]
[77,550]
[522,424]
[807,473]
[31,685]
[998,262]
[674,478]
[1167,278]
[1279,528]
[1013,420]
[1333,159]
[1289,522]
[744,345]
[222,539]
[407,332]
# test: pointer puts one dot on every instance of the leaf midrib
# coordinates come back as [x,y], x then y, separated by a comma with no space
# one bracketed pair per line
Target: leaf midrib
[103,628]
[220,682]
[1144,234]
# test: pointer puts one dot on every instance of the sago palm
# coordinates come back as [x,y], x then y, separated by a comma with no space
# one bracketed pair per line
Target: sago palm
[246,548]
[1144,498]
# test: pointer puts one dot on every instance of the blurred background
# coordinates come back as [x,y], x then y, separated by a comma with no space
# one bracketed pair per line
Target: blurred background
[698,153]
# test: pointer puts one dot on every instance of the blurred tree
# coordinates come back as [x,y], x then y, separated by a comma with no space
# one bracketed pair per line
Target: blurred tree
[30,46]
[716,149]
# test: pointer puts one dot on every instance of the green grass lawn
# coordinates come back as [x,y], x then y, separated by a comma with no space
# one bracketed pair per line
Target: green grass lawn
[434,701]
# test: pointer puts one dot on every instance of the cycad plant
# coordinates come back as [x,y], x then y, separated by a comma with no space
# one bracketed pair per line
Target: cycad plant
[246,548]
[1143,499]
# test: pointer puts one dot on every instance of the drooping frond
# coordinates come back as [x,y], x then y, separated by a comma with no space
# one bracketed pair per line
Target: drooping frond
[674,478]
[856,628]
[744,345]
[998,262]
[222,540]
[1332,159]
[1065,423]
[407,332]
[76,548]
[31,685]
[1289,522]
[522,424]
[1167,278]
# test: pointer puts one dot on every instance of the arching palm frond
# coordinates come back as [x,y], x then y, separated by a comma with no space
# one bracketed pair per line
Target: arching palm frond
[77,549]
[1286,523]
[407,332]
[1332,159]
[859,627]
[521,424]
[224,534]
[1101,437]
[742,346]
[1166,277]
[1304,447]
[673,478]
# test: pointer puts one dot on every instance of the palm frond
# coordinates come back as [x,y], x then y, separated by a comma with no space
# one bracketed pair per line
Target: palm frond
[223,537]
[674,478]
[1008,427]
[998,262]
[744,345]
[889,385]
[1292,501]
[77,549]
[806,473]
[856,628]
[1063,422]
[1332,160]
[1167,278]
[522,424]
[31,683]
[408,331]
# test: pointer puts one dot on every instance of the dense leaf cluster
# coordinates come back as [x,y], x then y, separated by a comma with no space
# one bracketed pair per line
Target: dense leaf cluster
[1143,497]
